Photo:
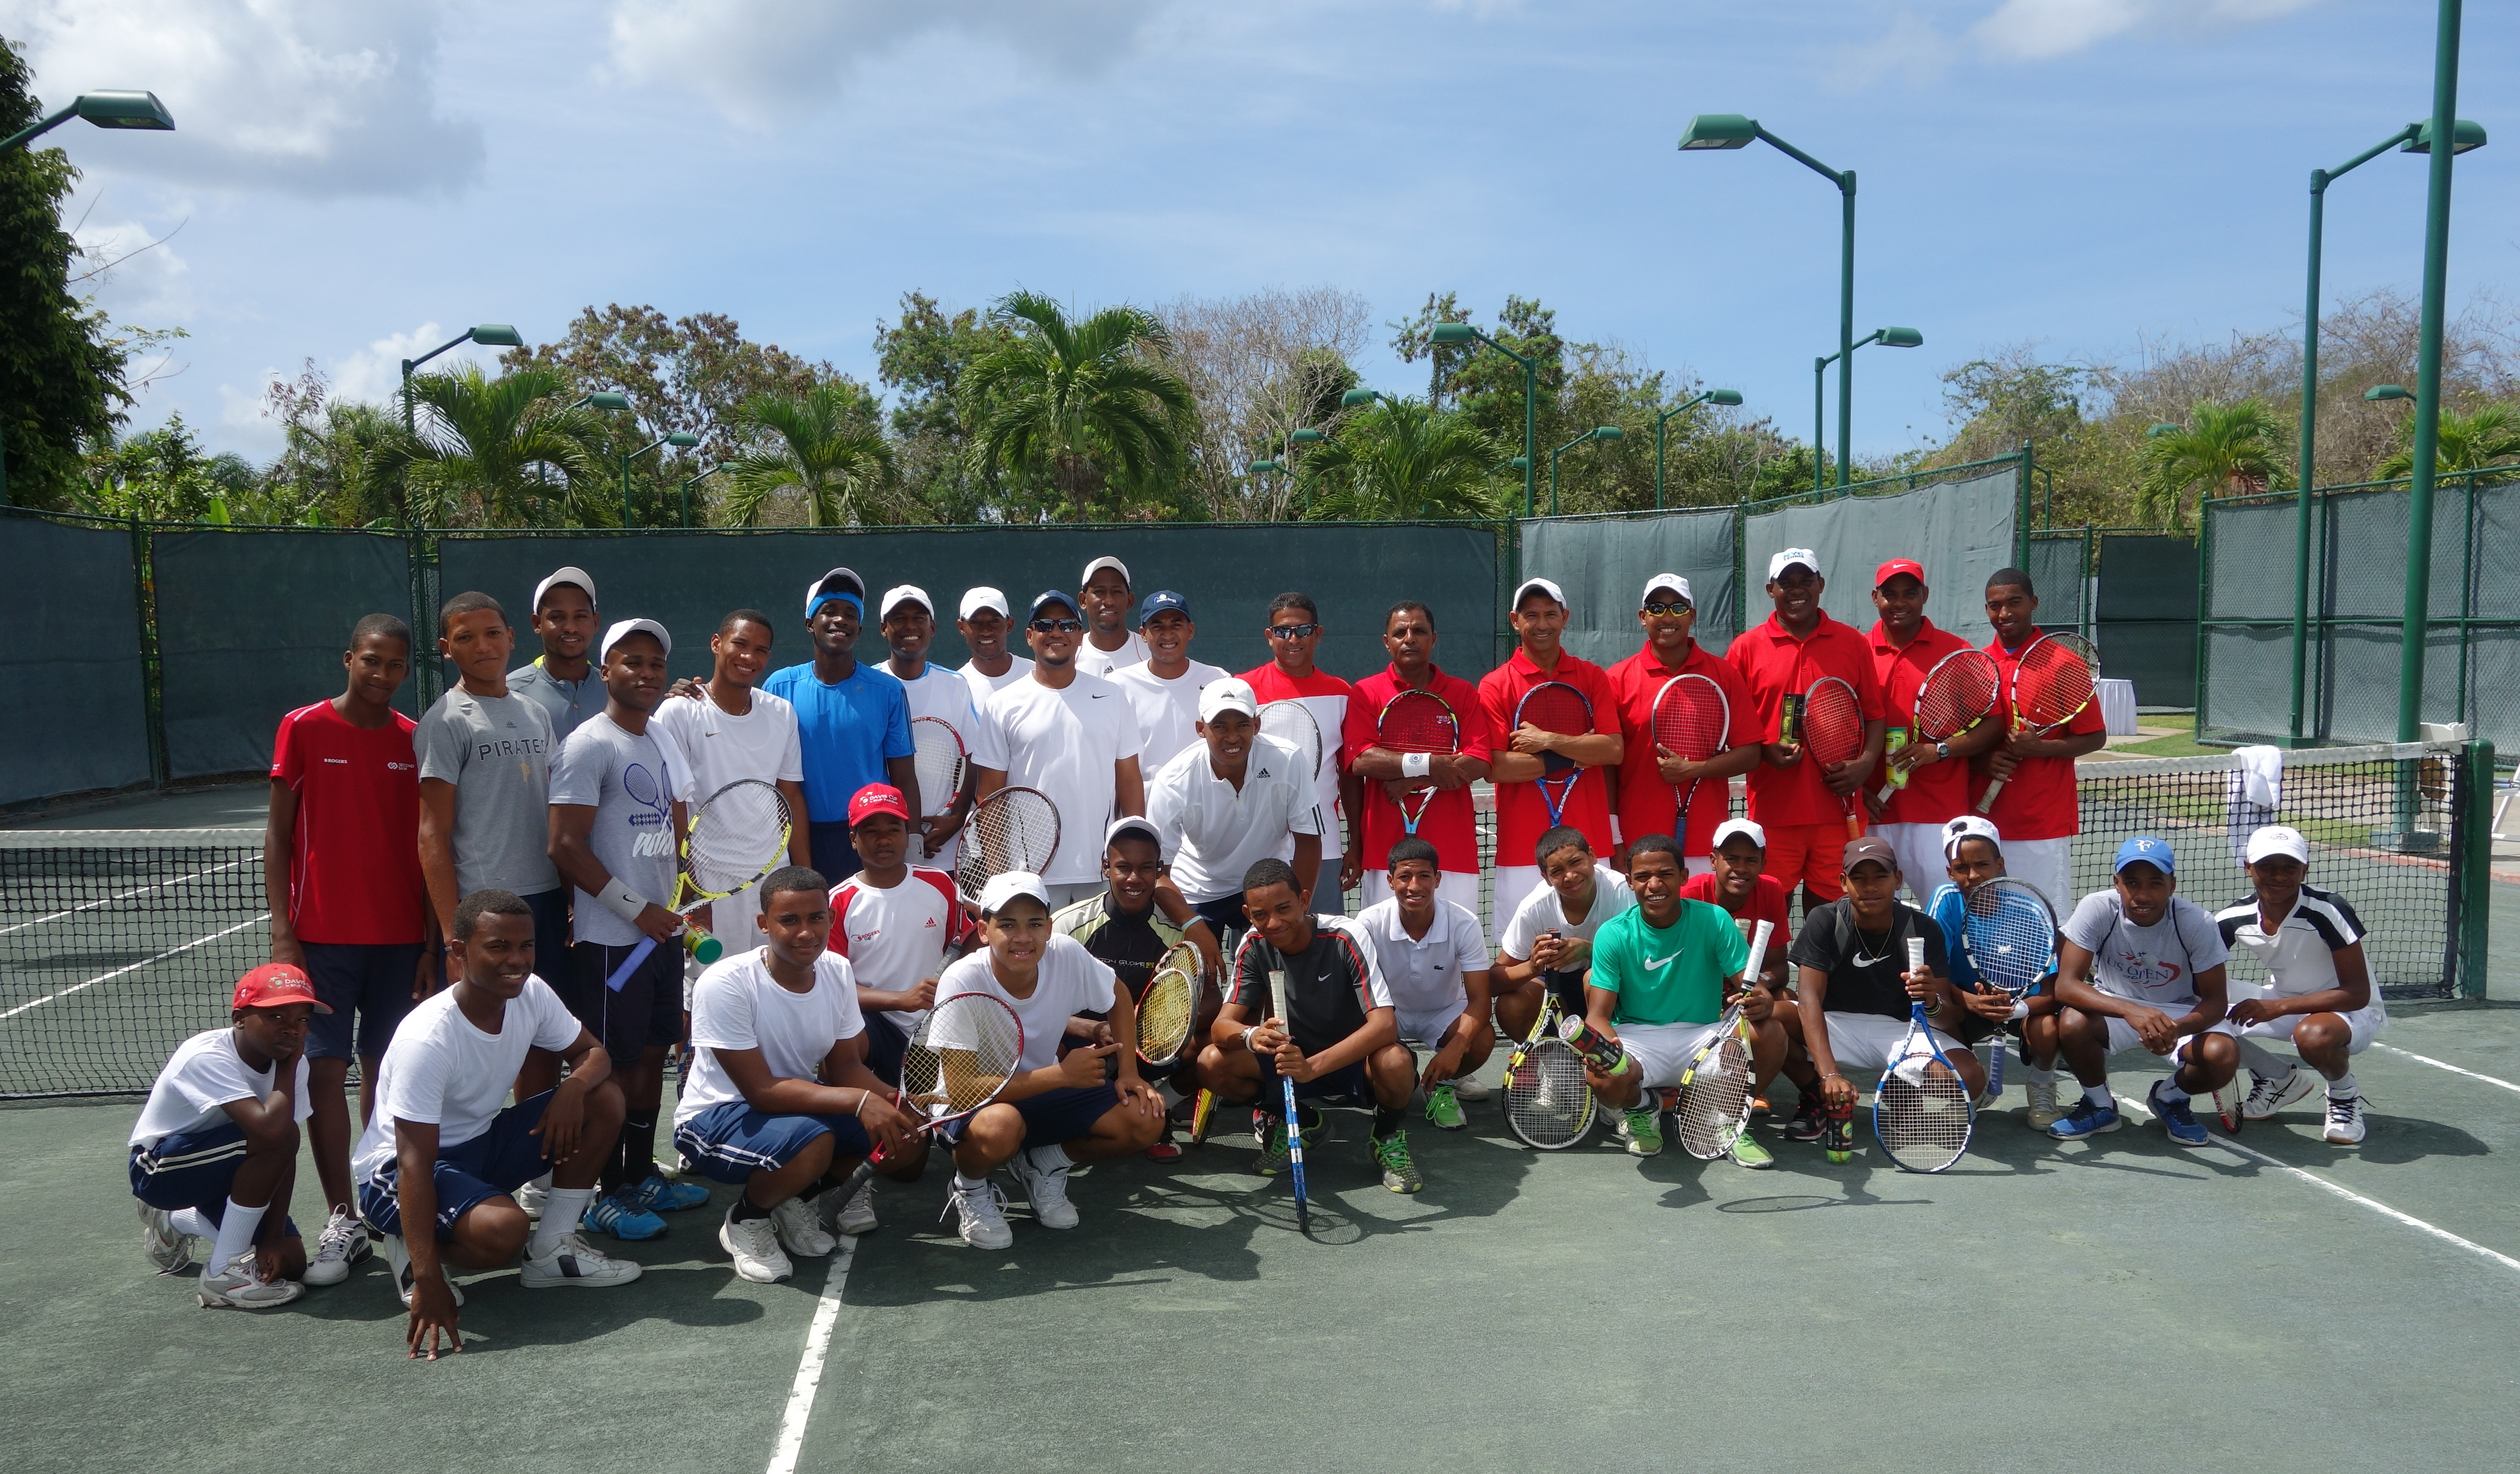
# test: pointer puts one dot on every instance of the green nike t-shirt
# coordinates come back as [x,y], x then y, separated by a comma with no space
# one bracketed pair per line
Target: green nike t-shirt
[1668,974]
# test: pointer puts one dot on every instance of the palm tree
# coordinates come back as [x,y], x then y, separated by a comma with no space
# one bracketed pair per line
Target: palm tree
[1080,404]
[825,446]
[1404,459]
[2467,443]
[487,451]
[2223,449]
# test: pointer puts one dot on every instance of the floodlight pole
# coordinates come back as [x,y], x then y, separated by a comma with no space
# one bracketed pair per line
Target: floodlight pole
[1719,396]
[2428,376]
[1456,333]
[493,335]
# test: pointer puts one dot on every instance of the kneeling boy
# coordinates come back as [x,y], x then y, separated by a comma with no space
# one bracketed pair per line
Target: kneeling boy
[2318,991]
[2142,967]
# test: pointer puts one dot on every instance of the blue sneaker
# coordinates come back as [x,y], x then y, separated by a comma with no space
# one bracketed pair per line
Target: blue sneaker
[658,1195]
[618,1214]
[2178,1117]
[2086,1120]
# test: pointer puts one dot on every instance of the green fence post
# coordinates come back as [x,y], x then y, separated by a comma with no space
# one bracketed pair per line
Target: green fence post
[2204,607]
[2476,872]
[153,685]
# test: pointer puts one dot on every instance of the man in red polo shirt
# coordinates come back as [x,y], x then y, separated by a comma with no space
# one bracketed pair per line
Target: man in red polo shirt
[1517,761]
[1294,632]
[2039,811]
[1906,645]
[1651,778]
[1801,806]
[1449,823]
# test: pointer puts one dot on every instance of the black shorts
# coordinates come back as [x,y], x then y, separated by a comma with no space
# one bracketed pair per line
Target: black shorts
[1568,987]
[646,1014]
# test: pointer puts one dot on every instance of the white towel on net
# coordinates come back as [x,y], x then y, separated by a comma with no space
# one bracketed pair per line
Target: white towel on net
[2255,792]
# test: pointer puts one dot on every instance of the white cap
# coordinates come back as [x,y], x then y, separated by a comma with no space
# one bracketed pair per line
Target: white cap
[1969,827]
[904,593]
[1545,586]
[1673,582]
[1227,694]
[628,627]
[1741,826]
[1001,890]
[1778,564]
[1101,563]
[847,581]
[2277,839]
[1131,824]
[569,575]
[982,596]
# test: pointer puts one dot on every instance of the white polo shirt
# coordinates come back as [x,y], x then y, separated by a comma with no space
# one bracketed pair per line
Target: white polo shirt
[1167,710]
[2301,957]
[1425,973]
[1212,832]
[1064,744]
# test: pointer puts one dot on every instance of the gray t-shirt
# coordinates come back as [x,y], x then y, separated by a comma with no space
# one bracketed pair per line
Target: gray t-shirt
[497,752]
[624,778]
[568,703]
[2153,966]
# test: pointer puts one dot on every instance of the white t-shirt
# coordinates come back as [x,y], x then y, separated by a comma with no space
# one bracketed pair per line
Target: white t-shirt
[717,748]
[737,1004]
[1071,981]
[895,938]
[2154,966]
[1167,710]
[943,695]
[1545,911]
[1425,975]
[1064,744]
[204,1074]
[2301,957]
[1213,832]
[983,685]
[441,1070]
[1105,663]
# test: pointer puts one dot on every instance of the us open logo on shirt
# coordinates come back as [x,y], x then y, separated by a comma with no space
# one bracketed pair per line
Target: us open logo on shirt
[654,820]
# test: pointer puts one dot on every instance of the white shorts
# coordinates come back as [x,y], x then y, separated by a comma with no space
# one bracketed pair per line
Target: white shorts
[1664,1051]
[1870,1041]
[2123,1039]
[1513,883]
[1463,890]
[1427,1025]
[2048,865]
[1919,848]
[2364,1022]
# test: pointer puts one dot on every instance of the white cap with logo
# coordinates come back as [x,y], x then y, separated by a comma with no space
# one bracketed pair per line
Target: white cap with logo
[2277,839]
[1227,694]
[904,593]
[1537,585]
[982,596]
[1001,890]
[568,575]
[1672,581]
[627,628]
[1789,556]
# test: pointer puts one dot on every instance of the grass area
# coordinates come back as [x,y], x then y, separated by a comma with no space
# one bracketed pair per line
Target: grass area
[2181,743]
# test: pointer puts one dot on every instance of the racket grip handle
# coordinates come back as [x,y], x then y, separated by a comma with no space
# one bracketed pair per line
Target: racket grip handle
[620,977]
[1986,800]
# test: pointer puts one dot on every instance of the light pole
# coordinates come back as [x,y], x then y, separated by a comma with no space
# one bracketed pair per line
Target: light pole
[2414,138]
[1463,333]
[679,439]
[1730,130]
[1888,337]
[1596,432]
[1307,436]
[488,335]
[2429,353]
[1711,397]
[691,481]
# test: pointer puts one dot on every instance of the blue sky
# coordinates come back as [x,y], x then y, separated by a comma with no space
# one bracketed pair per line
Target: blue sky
[2082,174]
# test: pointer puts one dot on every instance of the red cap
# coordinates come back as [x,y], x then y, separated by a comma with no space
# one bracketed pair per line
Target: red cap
[878,798]
[1896,567]
[275,985]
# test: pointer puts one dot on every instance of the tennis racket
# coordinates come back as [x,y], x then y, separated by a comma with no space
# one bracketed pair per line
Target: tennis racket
[1292,723]
[1011,829]
[2009,936]
[1953,698]
[1691,717]
[937,754]
[1716,1089]
[1202,1114]
[2056,678]
[1556,707]
[1168,1007]
[1922,1113]
[1547,1104]
[1418,721]
[1295,1122]
[960,1059]
[1832,729]
[739,835]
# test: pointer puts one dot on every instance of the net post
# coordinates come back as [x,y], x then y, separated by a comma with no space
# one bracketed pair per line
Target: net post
[2475,886]
[2021,507]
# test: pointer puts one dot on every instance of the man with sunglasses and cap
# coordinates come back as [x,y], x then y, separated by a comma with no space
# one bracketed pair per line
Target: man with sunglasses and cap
[852,720]
[562,679]
[1163,689]
[1067,735]
[909,624]
[985,624]
[1294,633]
[1652,777]
[1109,646]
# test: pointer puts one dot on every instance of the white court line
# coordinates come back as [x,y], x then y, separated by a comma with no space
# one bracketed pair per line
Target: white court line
[809,1370]
[2444,1065]
[126,896]
[135,966]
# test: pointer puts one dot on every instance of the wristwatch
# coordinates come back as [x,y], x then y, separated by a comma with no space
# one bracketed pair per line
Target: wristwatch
[1943,750]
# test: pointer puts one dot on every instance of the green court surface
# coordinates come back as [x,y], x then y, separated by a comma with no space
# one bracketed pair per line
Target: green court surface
[2119,1304]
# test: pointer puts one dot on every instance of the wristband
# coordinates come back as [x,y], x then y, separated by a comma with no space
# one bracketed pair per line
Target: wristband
[1246,1039]
[860,1112]
[2020,1011]
[622,901]
[1616,839]
[1416,764]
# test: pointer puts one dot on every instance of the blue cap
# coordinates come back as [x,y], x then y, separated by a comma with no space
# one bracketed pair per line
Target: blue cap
[2152,852]
[1049,596]
[1159,601]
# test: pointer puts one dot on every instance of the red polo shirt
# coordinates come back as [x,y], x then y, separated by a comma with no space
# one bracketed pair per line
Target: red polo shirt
[1522,816]
[1938,790]
[1774,664]
[355,880]
[1646,804]
[1450,826]
[2038,802]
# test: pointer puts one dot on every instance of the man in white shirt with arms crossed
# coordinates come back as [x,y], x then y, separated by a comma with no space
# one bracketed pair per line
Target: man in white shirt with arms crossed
[1069,735]
[1234,800]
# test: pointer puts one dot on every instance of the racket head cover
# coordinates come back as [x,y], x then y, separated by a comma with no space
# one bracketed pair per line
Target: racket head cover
[1956,695]
[1833,721]
[960,1056]
[1691,718]
[738,836]
[2009,933]
[1012,829]
[2056,678]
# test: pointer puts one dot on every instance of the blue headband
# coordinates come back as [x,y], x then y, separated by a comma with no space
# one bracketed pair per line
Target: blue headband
[823,598]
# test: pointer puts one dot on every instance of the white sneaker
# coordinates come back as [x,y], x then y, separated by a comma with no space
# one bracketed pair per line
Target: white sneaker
[1468,1089]
[573,1262]
[398,1259]
[1046,1188]
[170,1252]
[800,1230]
[753,1245]
[238,1287]
[532,1197]
[2043,1103]
[345,1243]
[857,1215]
[2345,1120]
[2268,1096]
[983,1215]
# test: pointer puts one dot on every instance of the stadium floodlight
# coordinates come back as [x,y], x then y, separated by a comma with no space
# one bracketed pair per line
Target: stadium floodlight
[1596,432]
[2465,136]
[487,335]
[1719,131]
[2382,391]
[1456,334]
[1888,337]
[1355,398]
[2155,433]
[1307,436]
[139,110]
[1725,397]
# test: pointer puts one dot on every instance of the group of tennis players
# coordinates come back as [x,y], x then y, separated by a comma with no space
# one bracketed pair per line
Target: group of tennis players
[458,905]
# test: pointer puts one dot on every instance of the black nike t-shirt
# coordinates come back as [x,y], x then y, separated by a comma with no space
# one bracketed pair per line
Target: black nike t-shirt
[1865,969]
[1330,985]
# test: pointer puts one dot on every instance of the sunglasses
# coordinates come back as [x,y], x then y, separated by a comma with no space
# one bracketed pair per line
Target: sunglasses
[1658,606]
[1293,631]
[1058,626]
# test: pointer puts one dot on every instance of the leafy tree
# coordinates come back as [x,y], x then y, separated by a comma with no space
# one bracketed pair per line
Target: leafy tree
[159,475]
[922,357]
[1085,410]
[339,462]
[826,453]
[2465,442]
[511,451]
[2223,449]
[1405,459]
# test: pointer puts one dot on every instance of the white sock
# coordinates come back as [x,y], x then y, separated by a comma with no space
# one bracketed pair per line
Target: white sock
[2039,1076]
[192,1221]
[560,1219]
[1052,1158]
[2262,1061]
[2098,1094]
[2342,1087]
[963,1184]
[237,1227]
[2172,1091]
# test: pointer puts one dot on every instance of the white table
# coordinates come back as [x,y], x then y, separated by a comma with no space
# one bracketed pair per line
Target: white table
[2116,706]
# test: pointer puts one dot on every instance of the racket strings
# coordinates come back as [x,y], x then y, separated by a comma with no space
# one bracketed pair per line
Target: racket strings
[937,758]
[1955,697]
[1017,832]
[2054,681]
[1690,725]
[1832,722]
[1717,1100]
[1164,1016]
[1419,726]
[961,1056]
[1547,1100]
[1556,709]
[735,837]
[1924,1126]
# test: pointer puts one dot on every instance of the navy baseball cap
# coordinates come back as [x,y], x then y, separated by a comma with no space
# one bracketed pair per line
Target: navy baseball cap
[1048,597]
[1159,601]
[2152,852]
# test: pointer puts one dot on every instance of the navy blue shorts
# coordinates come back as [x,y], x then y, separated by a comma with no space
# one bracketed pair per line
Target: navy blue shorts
[730,1141]
[1063,1114]
[551,931]
[833,854]
[1346,1081]
[493,1164]
[195,1169]
[646,1014]
[886,1043]
[374,982]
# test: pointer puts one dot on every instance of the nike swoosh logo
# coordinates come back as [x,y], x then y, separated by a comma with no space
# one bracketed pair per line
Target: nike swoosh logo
[1662,961]
[1097,695]
[1865,962]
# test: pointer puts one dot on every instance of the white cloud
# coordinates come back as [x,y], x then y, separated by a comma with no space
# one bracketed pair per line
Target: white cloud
[375,373]
[304,96]
[133,270]
[2035,31]
[760,60]
[1914,52]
